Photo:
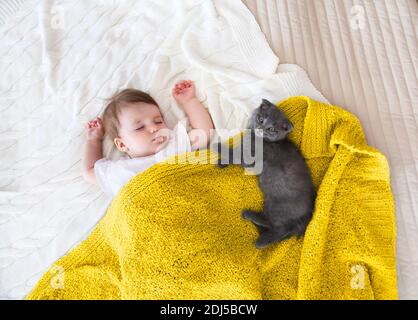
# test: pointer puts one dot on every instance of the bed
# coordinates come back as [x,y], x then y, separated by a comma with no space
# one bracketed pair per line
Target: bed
[361,55]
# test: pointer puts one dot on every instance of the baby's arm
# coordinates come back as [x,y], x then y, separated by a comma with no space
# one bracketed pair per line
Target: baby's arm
[199,117]
[93,148]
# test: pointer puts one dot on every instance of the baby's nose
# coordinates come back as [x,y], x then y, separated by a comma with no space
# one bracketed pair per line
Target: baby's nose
[153,128]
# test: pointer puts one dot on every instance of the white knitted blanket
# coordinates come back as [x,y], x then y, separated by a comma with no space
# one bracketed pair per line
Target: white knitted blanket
[60,59]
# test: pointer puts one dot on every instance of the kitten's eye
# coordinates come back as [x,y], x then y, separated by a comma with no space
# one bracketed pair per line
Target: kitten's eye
[271,129]
[260,119]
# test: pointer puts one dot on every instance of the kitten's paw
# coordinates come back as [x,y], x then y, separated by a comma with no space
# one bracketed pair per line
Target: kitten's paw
[265,239]
[221,165]
[261,244]
[245,214]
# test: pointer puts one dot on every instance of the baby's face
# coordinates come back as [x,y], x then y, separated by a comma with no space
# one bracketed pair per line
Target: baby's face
[142,131]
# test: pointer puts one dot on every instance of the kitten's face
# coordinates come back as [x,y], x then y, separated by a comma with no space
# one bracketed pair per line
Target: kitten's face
[272,121]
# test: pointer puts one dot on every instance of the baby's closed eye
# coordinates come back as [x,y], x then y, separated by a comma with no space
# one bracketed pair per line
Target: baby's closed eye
[155,121]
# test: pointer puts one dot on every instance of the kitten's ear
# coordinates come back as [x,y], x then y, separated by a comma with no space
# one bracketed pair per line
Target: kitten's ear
[265,104]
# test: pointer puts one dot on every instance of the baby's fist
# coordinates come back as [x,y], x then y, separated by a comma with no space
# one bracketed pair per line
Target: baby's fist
[184,91]
[95,130]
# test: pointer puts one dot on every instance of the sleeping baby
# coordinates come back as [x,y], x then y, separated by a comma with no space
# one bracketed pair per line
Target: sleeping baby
[133,121]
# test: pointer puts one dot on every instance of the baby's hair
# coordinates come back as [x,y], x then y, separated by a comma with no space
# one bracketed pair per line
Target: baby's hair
[115,104]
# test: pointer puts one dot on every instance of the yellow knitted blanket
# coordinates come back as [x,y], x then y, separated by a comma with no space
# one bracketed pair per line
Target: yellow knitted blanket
[175,230]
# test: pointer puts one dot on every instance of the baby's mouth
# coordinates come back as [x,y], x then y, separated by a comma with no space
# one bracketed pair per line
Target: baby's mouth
[161,142]
[159,139]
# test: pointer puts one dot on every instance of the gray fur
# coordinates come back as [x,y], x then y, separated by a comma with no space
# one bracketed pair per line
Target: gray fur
[289,195]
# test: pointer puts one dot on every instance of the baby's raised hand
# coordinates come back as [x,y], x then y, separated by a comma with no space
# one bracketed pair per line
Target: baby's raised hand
[184,91]
[95,130]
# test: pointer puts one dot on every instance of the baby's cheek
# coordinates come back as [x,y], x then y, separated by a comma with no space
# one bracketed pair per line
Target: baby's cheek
[144,141]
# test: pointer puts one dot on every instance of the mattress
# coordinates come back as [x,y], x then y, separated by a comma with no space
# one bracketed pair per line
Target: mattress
[363,56]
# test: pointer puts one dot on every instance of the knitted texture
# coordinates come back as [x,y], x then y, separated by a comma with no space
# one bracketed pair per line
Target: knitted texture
[8,8]
[175,231]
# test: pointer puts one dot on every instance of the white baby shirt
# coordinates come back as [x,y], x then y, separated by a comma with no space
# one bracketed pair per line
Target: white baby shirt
[113,175]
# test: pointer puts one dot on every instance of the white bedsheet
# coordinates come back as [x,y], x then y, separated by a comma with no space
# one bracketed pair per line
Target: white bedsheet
[60,59]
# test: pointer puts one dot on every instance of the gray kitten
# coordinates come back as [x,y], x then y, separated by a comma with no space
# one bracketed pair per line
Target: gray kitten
[285,180]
